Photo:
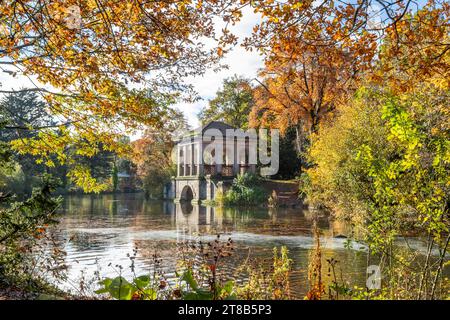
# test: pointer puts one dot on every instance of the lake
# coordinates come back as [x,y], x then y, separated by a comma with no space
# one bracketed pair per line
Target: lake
[100,231]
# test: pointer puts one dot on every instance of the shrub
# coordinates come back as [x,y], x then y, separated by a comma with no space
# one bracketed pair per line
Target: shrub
[265,284]
[384,164]
[245,190]
[23,261]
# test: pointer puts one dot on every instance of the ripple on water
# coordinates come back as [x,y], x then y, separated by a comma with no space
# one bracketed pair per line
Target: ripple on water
[100,232]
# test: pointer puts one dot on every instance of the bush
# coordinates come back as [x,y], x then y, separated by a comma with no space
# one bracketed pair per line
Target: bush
[245,190]
[338,180]
[23,261]
[384,164]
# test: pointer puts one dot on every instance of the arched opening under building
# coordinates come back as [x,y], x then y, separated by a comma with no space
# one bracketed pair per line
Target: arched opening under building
[186,197]
[187,194]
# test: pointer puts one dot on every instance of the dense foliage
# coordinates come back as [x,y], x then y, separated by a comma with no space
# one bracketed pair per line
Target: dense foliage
[383,160]
[246,190]
[153,154]
[360,88]
[384,163]
[232,103]
[22,225]
[24,115]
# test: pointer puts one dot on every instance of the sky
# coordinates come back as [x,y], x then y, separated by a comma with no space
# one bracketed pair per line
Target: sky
[239,61]
[9,82]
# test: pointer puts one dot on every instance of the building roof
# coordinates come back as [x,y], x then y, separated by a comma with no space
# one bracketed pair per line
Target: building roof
[221,126]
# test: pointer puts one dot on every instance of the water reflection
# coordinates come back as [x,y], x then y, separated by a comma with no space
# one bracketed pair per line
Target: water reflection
[102,230]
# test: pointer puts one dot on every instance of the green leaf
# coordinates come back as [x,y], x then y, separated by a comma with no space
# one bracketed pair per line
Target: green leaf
[101,291]
[231,297]
[105,283]
[204,295]
[142,281]
[150,294]
[190,296]
[121,289]
[188,277]
[228,287]
[199,294]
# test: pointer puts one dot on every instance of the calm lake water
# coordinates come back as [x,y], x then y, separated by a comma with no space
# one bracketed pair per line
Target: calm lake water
[98,230]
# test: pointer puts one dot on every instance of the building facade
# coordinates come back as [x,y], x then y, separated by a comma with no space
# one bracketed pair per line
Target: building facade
[208,158]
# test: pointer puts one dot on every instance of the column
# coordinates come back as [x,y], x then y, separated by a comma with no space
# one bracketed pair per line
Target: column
[219,156]
[178,160]
[236,155]
[199,158]
[192,155]
[185,157]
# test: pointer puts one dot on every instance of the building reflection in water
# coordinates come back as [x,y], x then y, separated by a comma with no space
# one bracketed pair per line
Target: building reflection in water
[192,218]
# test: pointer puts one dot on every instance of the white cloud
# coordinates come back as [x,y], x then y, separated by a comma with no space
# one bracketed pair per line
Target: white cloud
[10,82]
[239,61]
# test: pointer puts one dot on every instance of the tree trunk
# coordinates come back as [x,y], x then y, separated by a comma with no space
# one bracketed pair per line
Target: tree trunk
[300,137]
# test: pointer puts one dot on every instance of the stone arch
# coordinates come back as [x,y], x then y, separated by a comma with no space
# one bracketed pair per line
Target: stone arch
[187,194]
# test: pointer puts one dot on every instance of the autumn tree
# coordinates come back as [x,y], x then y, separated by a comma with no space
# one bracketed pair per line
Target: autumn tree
[152,154]
[309,65]
[95,62]
[19,113]
[383,162]
[232,103]
[293,31]
[316,53]
[346,23]
[415,51]
[300,91]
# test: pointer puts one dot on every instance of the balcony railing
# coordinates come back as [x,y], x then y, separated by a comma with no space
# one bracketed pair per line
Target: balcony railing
[227,171]
[188,170]
[209,169]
